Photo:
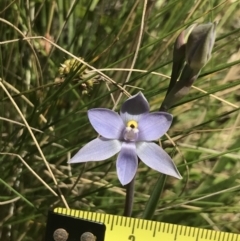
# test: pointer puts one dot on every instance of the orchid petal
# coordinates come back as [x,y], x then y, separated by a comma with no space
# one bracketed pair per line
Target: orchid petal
[98,149]
[153,125]
[156,158]
[133,107]
[127,163]
[106,122]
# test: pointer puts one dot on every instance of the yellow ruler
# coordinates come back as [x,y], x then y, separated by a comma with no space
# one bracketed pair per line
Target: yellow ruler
[120,228]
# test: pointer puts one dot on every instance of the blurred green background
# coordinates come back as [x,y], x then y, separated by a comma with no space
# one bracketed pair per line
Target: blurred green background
[45,95]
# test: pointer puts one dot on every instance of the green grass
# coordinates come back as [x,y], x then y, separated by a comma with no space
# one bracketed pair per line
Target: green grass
[43,117]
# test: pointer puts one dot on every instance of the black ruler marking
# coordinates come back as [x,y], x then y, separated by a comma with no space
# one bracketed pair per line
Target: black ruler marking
[154,230]
[112,223]
[133,227]
[176,233]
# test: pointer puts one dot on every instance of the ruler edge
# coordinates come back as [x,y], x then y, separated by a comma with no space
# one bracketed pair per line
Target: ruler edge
[96,217]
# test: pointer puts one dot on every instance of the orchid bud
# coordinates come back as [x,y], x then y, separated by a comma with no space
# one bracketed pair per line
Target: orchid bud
[197,41]
[179,45]
[179,53]
[200,44]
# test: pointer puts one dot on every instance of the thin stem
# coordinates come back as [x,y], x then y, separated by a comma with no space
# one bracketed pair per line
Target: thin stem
[129,199]
[154,198]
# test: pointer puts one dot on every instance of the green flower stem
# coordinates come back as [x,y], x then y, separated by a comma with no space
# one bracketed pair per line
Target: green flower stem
[129,199]
[154,198]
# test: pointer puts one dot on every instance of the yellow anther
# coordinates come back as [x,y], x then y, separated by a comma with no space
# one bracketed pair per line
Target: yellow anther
[132,123]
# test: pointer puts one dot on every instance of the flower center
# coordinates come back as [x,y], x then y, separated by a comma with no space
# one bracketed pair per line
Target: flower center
[131,131]
[132,123]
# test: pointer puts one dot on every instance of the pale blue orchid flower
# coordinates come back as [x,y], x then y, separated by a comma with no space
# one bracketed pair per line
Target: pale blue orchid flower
[131,134]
